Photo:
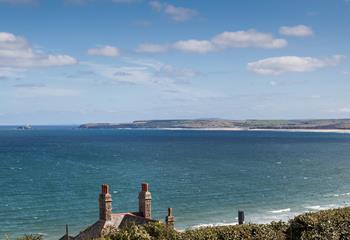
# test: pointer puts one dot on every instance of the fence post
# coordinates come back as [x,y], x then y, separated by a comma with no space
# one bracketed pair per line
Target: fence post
[240,217]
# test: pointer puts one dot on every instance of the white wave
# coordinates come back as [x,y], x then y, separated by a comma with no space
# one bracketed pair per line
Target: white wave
[16,168]
[204,225]
[324,207]
[42,234]
[338,194]
[280,210]
[314,207]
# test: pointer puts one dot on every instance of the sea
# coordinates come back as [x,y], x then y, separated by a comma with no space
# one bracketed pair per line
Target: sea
[50,176]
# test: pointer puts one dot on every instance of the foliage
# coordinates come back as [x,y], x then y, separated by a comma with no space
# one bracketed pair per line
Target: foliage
[273,231]
[328,224]
[152,231]
[323,225]
[132,232]
[31,237]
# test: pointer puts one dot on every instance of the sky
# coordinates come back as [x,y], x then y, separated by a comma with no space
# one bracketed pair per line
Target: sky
[79,61]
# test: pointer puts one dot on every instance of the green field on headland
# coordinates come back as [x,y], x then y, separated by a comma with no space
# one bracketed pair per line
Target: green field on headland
[312,124]
[323,225]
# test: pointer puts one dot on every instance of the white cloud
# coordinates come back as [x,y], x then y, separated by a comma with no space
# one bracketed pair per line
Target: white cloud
[238,39]
[178,14]
[143,72]
[249,38]
[296,31]
[156,5]
[8,72]
[34,90]
[195,46]
[16,52]
[169,71]
[279,65]
[106,51]
[152,48]
[344,110]
[169,80]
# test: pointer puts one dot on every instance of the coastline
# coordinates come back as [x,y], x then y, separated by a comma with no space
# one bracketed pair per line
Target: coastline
[268,216]
[344,131]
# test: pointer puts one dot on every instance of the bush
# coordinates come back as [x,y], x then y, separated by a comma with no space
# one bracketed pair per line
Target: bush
[328,224]
[132,232]
[31,237]
[273,231]
[324,225]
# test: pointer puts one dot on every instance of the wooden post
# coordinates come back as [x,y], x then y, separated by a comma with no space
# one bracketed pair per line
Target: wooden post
[240,217]
[67,234]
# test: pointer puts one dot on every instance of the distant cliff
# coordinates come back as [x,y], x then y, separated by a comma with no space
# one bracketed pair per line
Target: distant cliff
[324,124]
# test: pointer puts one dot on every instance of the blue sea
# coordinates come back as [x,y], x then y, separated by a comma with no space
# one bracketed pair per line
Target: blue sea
[51,176]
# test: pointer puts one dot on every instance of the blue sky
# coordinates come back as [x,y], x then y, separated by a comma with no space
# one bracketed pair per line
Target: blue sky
[77,61]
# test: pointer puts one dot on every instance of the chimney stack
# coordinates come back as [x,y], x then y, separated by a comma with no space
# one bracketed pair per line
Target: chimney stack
[145,201]
[105,203]
[169,220]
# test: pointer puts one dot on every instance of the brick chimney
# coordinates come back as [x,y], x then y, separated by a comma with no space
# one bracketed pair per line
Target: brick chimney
[169,220]
[105,203]
[145,201]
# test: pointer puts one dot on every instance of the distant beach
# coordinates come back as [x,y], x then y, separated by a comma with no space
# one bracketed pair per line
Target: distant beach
[244,129]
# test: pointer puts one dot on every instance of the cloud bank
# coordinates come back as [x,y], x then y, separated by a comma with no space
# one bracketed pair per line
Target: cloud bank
[178,14]
[16,52]
[106,51]
[284,64]
[296,31]
[34,90]
[143,72]
[225,40]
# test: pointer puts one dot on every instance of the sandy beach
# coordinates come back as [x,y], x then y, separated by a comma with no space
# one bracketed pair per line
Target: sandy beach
[252,130]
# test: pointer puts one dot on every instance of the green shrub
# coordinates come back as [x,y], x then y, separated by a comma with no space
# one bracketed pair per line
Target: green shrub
[328,224]
[273,231]
[31,237]
[132,232]
[323,225]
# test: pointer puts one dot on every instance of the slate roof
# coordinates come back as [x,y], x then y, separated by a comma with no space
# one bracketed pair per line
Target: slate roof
[119,221]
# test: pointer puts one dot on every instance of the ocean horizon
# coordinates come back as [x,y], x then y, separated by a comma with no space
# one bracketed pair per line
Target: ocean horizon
[51,175]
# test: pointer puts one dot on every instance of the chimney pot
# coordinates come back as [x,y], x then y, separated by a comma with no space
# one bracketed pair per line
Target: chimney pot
[169,220]
[105,188]
[170,211]
[144,187]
